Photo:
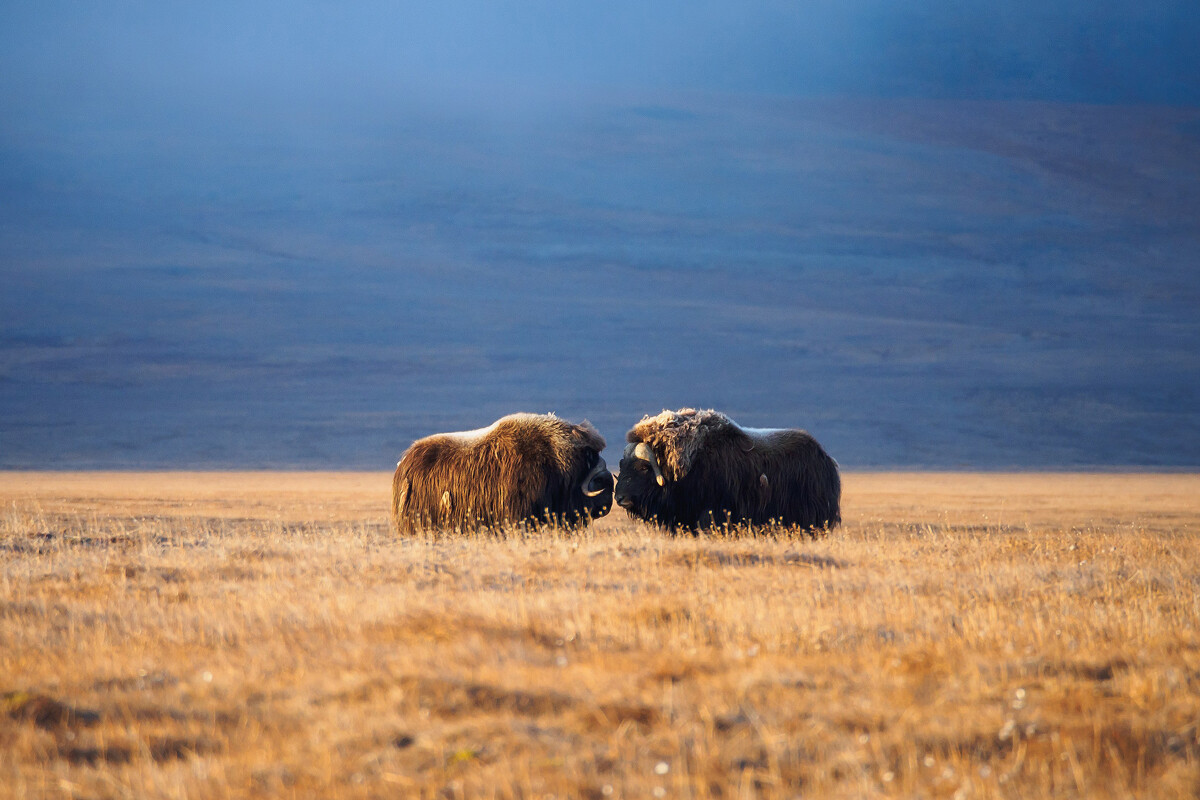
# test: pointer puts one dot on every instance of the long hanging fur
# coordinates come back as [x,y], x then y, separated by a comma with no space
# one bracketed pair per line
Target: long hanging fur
[521,468]
[718,473]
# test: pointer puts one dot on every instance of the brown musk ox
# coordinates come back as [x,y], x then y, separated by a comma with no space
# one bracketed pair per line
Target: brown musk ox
[697,469]
[523,468]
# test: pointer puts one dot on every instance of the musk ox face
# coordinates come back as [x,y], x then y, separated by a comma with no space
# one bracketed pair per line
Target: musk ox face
[596,488]
[640,488]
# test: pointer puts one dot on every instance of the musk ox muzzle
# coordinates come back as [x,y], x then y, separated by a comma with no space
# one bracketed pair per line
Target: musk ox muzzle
[597,489]
[595,482]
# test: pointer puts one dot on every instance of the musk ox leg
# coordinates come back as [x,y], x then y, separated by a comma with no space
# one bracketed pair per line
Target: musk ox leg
[399,503]
[764,493]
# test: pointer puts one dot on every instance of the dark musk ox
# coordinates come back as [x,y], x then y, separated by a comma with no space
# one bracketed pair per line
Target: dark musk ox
[696,469]
[523,468]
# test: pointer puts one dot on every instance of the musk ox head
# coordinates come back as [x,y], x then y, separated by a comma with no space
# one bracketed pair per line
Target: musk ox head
[659,456]
[641,486]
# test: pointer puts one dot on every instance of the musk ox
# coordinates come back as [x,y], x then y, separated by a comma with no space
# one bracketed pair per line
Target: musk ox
[522,468]
[695,469]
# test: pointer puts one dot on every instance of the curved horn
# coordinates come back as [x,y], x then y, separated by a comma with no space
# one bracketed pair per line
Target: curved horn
[600,467]
[643,451]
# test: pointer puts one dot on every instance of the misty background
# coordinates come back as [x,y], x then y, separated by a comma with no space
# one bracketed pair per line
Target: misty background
[935,234]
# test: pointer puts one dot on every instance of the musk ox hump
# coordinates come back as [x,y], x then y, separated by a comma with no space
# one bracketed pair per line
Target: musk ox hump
[761,433]
[471,437]
[560,437]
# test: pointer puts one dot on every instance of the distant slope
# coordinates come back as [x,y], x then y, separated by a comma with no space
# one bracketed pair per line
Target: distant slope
[919,283]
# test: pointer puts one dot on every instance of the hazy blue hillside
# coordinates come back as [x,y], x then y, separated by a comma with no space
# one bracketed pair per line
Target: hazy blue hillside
[935,234]
[918,283]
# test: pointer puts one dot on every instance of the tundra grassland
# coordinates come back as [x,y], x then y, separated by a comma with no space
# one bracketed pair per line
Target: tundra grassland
[267,635]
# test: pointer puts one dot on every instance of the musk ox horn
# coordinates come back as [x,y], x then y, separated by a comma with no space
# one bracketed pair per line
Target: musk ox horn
[643,451]
[600,468]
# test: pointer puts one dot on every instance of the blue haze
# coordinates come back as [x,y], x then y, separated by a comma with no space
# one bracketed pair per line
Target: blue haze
[949,235]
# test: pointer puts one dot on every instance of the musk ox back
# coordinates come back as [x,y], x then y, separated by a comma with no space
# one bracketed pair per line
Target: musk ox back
[695,469]
[522,468]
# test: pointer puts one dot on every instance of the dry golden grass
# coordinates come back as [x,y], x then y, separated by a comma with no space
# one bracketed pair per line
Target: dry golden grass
[216,635]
